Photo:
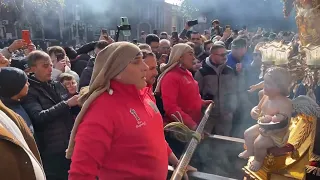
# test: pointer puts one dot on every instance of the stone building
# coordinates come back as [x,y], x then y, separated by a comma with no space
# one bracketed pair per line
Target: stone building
[81,21]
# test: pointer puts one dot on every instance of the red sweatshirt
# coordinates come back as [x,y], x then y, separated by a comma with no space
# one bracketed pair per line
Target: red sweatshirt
[180,93]
[121,137]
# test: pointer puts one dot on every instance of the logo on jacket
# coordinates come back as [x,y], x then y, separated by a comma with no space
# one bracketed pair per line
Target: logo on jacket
[135,115]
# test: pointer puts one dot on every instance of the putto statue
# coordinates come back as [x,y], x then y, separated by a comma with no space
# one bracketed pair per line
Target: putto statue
[286,133]
[273,114]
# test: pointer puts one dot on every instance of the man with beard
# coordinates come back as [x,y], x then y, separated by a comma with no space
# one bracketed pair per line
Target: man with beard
[150,59]
[198,46]
[164,51]
[153,41]
[217,82]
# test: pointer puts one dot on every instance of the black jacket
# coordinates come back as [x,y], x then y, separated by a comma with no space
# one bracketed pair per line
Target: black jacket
[86,74]
[50,115]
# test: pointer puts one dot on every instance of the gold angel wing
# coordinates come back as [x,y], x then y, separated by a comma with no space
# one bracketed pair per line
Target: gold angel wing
[306,105]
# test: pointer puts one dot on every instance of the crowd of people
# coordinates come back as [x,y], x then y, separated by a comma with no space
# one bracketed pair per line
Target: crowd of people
[99,111]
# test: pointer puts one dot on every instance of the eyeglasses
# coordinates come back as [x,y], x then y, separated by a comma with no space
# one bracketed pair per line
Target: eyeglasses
[194,39]
[70,84]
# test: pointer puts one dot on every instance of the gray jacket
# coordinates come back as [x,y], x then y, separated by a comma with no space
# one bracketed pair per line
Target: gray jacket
[218,83]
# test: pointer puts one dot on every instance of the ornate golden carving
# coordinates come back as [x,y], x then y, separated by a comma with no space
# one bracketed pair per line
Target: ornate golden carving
[307,19]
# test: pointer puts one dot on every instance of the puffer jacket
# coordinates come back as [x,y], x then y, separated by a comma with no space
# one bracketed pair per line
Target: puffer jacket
[50,115]
[218,83]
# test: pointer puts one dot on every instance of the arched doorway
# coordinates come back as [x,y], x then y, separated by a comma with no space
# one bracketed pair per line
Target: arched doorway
[143,26]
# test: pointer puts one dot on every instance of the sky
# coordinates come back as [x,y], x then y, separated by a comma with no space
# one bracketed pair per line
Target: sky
[173,1]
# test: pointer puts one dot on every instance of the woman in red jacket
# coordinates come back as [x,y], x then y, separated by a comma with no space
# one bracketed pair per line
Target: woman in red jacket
[119,131]
[179,91]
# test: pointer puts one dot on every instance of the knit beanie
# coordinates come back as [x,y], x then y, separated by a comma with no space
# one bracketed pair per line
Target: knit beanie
[12,81]
[111,61]
[176,52]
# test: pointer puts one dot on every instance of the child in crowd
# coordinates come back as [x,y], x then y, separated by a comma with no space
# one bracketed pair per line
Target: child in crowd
[70,83]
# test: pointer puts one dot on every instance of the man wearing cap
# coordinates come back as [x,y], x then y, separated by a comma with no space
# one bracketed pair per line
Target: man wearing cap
[216,29]
[13,87]
[236,58]
[240,63]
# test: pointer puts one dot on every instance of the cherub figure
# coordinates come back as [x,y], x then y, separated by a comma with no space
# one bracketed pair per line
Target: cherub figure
[273,114]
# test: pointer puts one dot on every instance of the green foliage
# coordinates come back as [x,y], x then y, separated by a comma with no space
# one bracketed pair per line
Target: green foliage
[189,8]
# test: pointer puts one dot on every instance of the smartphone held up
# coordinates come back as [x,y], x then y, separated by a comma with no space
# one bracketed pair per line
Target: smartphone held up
[26,37]
[200,20]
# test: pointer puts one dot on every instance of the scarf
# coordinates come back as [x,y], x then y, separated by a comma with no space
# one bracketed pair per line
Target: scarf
[174,59]
[111,61]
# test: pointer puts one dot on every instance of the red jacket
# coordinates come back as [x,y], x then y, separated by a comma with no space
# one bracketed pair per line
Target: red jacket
[180,93]
[121,137]
[149,92]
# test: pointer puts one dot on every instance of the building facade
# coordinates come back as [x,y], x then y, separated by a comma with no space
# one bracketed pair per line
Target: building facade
[81,21]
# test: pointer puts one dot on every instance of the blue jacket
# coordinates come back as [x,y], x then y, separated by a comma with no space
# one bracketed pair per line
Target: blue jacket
[231,61]
[17,108]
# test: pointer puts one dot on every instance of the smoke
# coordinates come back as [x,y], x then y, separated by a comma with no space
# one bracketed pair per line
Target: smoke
[253,13]
[219,157]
